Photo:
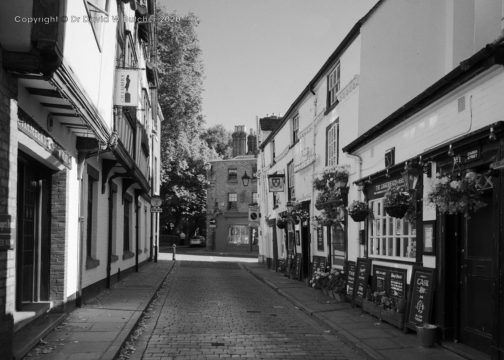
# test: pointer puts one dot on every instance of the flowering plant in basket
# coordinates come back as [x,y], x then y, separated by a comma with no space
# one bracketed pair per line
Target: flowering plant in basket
[396,201]
[454,194]
[359,210]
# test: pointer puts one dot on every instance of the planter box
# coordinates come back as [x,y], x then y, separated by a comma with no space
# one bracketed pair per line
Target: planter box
[371,308]
[393,318]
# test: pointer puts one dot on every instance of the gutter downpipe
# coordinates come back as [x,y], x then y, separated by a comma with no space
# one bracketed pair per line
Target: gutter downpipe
[359,164]
[80,169]
[137,229]
[109,244]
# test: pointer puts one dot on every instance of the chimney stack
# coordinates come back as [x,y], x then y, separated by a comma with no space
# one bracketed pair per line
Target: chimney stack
[252,143]
[239,141]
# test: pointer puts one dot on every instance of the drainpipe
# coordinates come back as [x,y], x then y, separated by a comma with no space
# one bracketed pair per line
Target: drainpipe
[80,169]
[110,230]
[137,229]
[359,176]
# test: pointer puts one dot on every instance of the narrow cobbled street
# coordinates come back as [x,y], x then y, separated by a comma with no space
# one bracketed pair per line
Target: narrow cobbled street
[212,310]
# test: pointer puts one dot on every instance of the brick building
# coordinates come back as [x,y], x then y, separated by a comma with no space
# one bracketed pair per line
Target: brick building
[79,153]
[232,197]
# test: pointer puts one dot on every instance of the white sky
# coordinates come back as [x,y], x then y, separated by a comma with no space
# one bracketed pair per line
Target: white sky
[260,54]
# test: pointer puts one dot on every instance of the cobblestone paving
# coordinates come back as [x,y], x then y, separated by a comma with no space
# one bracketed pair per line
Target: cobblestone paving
[218,310]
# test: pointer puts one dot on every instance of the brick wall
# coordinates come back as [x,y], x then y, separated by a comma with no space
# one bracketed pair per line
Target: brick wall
[58,236]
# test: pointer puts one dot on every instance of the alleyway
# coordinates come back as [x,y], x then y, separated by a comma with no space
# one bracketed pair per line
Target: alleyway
[216,310]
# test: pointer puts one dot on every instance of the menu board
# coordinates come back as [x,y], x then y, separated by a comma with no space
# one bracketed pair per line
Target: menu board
[397,283]
[323,263]
[362,279]
[380,278]
[350,285]
[422,292]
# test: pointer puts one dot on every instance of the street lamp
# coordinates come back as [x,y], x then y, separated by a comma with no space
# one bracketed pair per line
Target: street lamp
[245,179]
[410,176]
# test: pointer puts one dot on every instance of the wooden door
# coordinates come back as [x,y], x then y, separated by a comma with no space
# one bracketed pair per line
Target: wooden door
[478,260]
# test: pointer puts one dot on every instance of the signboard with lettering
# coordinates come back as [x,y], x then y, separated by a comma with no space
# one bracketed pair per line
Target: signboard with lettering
[397,284]
[361,279]
[350,285]
[421,298]
[126,93]
[378,190]
[315,264]
[320,238]
[380,278]
[323,263]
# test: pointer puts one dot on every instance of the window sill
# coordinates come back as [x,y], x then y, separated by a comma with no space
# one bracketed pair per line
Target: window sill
[92,263]
[128,255]
[330,108]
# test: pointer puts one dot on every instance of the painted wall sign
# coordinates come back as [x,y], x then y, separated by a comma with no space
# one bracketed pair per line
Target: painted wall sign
[320,238]
[126,93]
[421,298]
[361,279]
[31,129]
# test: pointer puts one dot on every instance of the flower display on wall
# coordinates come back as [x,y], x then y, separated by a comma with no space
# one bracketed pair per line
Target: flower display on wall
[359,210]
[457,193]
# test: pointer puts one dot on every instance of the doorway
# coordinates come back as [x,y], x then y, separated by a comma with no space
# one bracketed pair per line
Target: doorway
[472,260]
[33,232]
[305,248]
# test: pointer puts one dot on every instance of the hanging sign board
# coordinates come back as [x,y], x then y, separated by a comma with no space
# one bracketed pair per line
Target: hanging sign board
[421,298]
[126,93]
[276,182]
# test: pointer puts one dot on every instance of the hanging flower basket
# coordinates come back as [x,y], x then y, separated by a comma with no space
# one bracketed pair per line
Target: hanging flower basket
[397,201]
[359,211]
[281,223]
[397,211]
[457,194]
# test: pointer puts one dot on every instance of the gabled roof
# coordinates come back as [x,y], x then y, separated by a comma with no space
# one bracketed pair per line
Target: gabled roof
[349,38]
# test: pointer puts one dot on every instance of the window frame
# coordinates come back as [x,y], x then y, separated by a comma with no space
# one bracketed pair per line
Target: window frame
[295,129]
[232,204]
[332,159]
[126,226]
[333,85]
[232,177]
[291,188]
[96,26]
[384,241]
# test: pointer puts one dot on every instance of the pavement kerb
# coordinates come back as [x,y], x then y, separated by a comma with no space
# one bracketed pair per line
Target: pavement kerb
[114,349]
[345,336]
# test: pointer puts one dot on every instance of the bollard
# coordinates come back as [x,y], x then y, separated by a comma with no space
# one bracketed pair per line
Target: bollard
[174,251]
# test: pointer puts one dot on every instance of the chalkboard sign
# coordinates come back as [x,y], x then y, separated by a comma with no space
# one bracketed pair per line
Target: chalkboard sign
[350,285]
[315,264]
[380,278]
[362,279]
[323,263]
[297,267]
[397,284]
[422,292]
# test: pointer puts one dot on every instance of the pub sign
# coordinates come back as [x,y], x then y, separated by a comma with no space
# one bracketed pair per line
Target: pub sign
[276,182]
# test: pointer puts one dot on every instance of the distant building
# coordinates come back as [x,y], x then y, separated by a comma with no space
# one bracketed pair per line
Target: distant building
[232,219]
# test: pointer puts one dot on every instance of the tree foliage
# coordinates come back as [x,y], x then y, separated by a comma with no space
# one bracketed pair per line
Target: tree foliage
[219,139]
[183,151]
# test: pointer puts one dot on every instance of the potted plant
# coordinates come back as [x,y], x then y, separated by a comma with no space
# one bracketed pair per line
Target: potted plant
[457,194]
[396,202]
[359,210]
